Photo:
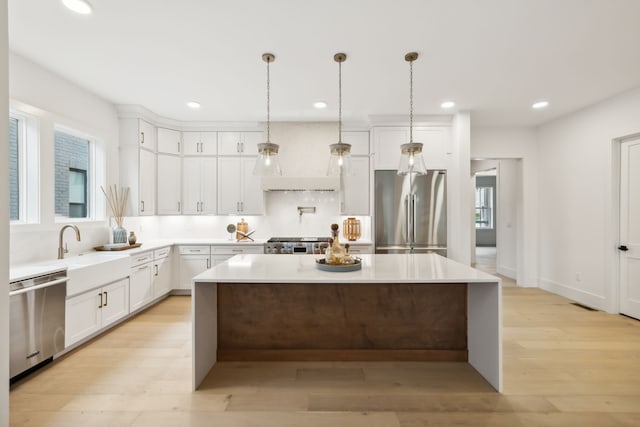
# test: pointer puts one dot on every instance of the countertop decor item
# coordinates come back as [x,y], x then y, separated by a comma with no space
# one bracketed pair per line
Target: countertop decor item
[231,228]
[351,229]
[339,268]
[335,253]
[117,202]
[117,247]
[242,228]
[132,238]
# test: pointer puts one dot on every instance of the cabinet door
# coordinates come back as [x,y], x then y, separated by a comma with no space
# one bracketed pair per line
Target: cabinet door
[190,266]
[252,202]
[355,200]
[209,143]
[162,277]
[229,185]
[82,316]
[169,141]
[168,185]
[190,143]
[115,301]
[387,142]
[434,149]
[359,141]
[191,183]
[209,187]
[140,286]
[229,143]
[147,180]
[147,135]
[219,259]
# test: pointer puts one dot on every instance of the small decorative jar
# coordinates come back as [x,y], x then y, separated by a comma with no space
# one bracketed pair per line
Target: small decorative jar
[119,235]
[132,238]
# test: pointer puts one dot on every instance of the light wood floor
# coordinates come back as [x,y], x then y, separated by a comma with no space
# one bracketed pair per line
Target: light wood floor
[563,366]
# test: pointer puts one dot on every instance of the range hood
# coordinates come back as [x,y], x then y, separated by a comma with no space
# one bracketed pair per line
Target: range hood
[300,183]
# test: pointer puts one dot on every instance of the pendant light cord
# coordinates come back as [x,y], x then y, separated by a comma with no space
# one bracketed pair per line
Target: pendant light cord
[268,103]
[410,101]
[340,102]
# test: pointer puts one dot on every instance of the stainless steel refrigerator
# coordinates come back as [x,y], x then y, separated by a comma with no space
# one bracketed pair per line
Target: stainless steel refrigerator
[410,212]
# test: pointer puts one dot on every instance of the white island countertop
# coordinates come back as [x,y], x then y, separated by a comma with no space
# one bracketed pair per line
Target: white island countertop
[387,268]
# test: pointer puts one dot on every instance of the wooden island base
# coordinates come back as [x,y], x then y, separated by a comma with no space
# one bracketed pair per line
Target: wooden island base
[342,322]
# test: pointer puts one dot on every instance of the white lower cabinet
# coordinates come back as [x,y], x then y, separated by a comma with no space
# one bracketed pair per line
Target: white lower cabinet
[141,285]
[92,311]
[161,272]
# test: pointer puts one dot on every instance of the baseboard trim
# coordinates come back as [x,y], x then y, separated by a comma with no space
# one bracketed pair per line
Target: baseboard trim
[507,271]
[578,295]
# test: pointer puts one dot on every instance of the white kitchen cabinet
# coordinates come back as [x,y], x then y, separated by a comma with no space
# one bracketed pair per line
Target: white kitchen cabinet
[169,188]
[147,183]
[221,253]
[91,311]
[141,282]
[387,142]
[355,197]
[162,272]
[169,141]
[200,143]
[199,185]
[239,190]
[146,135]
[359,141]
[239,143]
[193,261]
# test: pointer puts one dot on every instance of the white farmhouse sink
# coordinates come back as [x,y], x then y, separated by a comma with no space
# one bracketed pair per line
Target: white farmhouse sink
[94,269]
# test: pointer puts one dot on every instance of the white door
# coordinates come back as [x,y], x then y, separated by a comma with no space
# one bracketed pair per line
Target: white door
[115,301]
[191,179]
[630,228]
[169,141]
[168,185]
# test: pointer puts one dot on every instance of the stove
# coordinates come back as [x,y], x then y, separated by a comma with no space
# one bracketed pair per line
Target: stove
[296,245]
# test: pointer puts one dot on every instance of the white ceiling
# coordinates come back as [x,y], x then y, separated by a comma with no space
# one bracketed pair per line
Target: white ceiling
[493,57]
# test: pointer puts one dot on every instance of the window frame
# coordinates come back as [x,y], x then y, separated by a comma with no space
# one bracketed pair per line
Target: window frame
[28,168]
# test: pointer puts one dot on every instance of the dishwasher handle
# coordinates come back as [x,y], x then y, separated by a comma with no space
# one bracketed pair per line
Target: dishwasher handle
[41,286]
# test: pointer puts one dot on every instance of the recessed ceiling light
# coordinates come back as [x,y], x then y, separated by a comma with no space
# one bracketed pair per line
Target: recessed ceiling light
[320,105]
[447,104]
[78,6]
[193,104]
[539,105]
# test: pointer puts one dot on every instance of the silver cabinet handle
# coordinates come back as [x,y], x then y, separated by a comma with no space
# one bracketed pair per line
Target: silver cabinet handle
[238,206]
[242,147]
[415,214]
[155,273]
[178,146]
[238,147]
[408,218]
[142,204]
[178,206]
[142,268]
[100,306]
[208,262]
[141,137]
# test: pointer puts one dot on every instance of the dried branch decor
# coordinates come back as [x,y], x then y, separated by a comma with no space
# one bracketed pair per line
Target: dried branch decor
[117,200]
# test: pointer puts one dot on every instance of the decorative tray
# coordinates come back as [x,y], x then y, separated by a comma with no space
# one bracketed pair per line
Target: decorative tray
[117,247]
[341,268]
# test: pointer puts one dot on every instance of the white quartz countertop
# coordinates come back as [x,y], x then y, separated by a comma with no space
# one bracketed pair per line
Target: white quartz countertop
[387,268]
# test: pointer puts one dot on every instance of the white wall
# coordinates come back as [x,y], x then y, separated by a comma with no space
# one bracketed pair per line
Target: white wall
[459,193]
[4,218]
[578,235]
[54,100]
[519,144]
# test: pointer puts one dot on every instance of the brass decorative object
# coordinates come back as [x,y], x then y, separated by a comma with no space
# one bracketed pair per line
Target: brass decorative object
[351,229]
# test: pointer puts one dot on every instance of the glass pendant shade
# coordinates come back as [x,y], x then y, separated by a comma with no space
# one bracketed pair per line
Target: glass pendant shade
[411,160]
[267,163]
[340,160]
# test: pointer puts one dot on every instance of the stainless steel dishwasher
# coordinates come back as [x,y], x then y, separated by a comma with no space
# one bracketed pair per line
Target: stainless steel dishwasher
[37,311]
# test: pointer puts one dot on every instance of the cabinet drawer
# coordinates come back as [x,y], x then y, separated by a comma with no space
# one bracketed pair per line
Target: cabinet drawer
[194,250]
[234,250]
[365,249]
[162,252]
[141,258]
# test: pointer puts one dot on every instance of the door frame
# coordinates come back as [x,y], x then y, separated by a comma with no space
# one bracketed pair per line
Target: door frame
[614,226]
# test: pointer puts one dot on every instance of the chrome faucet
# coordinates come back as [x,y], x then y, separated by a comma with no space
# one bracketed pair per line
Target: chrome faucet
[64,250]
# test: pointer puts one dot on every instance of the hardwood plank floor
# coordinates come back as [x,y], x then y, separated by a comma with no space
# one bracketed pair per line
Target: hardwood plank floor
[563,366]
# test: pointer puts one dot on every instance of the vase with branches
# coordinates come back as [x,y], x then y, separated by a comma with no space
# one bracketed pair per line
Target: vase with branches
[117,202]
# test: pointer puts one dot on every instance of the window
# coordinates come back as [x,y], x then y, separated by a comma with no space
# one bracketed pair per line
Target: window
[484,207]
[14,169]
[72,175]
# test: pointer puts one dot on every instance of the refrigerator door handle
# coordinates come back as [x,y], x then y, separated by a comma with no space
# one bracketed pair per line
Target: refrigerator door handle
[407,218]
[414,214]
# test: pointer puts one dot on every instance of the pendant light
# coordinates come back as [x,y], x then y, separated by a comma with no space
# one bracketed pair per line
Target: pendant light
[411,160]
[340,160]
[267,163]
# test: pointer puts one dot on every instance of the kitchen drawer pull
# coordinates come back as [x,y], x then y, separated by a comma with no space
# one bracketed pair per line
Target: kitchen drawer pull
[144,267]
[143,259]
[35,288]
[237,250]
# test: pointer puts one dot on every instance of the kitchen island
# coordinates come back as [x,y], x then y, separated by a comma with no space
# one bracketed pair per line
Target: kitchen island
[398,307]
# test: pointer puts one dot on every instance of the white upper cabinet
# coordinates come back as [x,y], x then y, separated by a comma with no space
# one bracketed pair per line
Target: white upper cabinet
[239,143]
[239,191]
[387,142]
[147,183]
[199,185]
[169,178]
[355,197]
[169,141]
[359,141]
[200,143]
[147,135]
